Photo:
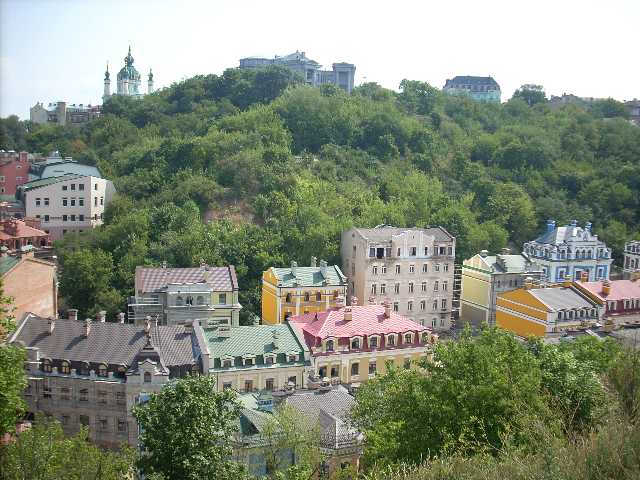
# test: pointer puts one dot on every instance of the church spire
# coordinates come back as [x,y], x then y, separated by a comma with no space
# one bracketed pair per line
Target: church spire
[150,82]
[106,73]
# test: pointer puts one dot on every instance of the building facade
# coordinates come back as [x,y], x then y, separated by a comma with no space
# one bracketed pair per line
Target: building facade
[75,379]
[568,251]
[414,268]
[349,345]
[342,74]
[14,171]
[70,203]
[631,262]
[256,358]
[64,114]
[296,290]
[540,312]
[621,299]
[32,284]
[179,295]
[484,276]
[483,89]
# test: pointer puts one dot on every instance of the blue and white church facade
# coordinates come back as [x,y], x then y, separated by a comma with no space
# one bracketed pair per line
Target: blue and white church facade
[128,80]
[568,251]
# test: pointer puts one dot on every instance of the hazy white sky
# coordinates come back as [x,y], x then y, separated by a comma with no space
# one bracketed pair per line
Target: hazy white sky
[57,49]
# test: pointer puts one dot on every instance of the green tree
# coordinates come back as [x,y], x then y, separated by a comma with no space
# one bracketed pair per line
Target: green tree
[12,383]
[532,94]
[185,431]
[418,97]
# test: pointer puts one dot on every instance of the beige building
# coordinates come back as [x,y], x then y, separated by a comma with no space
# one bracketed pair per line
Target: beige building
[179,295]
[93,373]
[413,268]
[70,203]
[631,262]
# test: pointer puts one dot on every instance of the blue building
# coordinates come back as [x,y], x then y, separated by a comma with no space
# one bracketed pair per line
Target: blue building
[569,251]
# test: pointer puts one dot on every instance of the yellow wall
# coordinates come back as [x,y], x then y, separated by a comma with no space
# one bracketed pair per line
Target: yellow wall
[519,325]
[475,288]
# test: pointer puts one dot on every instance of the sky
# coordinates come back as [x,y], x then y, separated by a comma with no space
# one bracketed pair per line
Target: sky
[54,50]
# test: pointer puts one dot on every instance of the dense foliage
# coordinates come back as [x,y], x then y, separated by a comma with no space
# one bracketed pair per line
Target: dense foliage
[253,169]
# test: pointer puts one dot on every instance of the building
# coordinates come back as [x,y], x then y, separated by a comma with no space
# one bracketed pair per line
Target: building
[64,114]
[540,312]
[14,171]
[631,263]
[255,358]
[634,111]
[93,373]
[412,267]
[180,295]
[70,203]
[31,283]
[483,89]
[324,410]
[621,299]
[341,75]
[16,234]
[128,80]
[296,290]
[56,166]
[349,345]
[570,250]
[484,276]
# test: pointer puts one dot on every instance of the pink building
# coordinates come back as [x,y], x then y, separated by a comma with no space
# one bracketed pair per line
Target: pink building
[621,298]
[14,171]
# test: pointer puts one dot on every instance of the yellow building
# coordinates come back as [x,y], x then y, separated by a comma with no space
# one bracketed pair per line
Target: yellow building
[298,290]
[533,311]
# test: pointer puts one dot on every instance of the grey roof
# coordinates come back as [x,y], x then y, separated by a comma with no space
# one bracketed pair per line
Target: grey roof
[43,182]
[560,235]
[385,232]
[221,279]
[310,276]
[69,167]
[111,343]
[471,80]
[561,298]
[511,264]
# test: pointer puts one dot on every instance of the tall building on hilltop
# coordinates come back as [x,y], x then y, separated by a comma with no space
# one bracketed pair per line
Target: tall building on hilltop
[484,89]
[63,113]
[128,80]
[342,75]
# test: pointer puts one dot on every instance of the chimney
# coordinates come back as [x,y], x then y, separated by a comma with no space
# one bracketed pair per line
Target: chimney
[189,327]
[314,261]
[551,225]
[72,313]
[87,327]
[567,281]
[102,316]
[354,300]
[347,314]
[606,288]
[506,251]
[52,324]
[387,309]
[120,317]
[294,267]
[323,268]
[484,253]
[147,325]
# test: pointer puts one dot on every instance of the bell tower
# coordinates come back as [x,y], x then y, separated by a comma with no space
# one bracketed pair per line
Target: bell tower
[107,85]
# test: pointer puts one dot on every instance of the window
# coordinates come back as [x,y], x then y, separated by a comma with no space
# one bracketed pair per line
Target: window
[248,362]
[424,338]
[399,251]
[38,202]
[222,299]
[226,363]
[444,286]
[372,252]
[268,384]
[383,288]
[425,268]
[408,338]
[435,304]
[95,201]
[46,218]
[102,424]
[306,296]
[65,368]
[397,268]
[436,267]
[147,377]
[423,305]
[334,372]
[426,251]
[391,341]
[46,201]
[65,218]
[412,269]
[387,252]
[435,286]
[443,250]
[46,365]
[84,395]
[95,186]
[287,298]
[443,303]
[65,393]
[318,296]
[355,368]
[1,178]
[73,218]
[293,358]
[120,398]
[433,322]
[424,286]
[446,267]
[102,397]
[373,342]
[293,380]
[412,251]
[396,288]
[410,287]
[64,188]
[81,186]
[226,385]
[122,422]
[355,343]
[375,269]
[383,269]
[396,306]
[73,201]
[410,306]
[84,420]
[329,346]
[101,200]
[248,385]
[450,251]
[372,368]
[73,186]
[64,419]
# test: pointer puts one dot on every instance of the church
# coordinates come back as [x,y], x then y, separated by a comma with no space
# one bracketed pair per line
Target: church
[128,80]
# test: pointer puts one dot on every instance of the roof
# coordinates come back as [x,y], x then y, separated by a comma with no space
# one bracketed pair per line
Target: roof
[383,233]
[472,80]
[156,279]
[366,320]
[560,235]
[310,276]
[510,264]
[7,263]
[22,231]
[252,340]
[620,289]
[561,298]
[43,182]
[67,167]
[108,342]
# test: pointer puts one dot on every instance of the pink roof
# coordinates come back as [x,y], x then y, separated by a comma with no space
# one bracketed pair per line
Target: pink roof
[23,231]
[366,320]
[620,289]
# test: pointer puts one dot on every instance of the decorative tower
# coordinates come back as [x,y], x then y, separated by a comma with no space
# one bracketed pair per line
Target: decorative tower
[107,85]
[150,82]
[128,77]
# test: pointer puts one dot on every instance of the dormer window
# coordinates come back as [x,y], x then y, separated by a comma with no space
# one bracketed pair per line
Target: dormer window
[102,370]
[65,367]
[226,363]
[288,298]
[179,301]
[424,338]
[248,361]
[355,343]
[408,338]
[293,357]
[200,300]
[329,346]
[391,340]
[306,296]
[46,365]
[269,359]
[147,377]
[373,342]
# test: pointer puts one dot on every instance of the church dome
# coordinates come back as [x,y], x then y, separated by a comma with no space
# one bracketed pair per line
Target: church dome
[128,72]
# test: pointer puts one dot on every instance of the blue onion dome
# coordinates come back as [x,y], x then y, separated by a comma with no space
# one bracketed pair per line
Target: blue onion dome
[128,72]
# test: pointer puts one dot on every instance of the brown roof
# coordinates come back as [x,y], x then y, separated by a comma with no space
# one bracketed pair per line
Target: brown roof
[22,230]
[221,279]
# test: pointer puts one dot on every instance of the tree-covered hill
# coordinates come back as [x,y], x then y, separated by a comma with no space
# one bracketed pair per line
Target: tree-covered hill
[283,168]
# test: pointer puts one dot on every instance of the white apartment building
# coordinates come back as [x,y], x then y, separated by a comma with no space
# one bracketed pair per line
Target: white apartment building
[67,204]
[412,268]
[631,263]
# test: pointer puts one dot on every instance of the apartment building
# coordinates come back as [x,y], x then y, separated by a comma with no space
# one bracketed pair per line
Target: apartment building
[349,345]
[69,203]
[179,295]
[412,267]
[14,171]
[631,262]
[296,290]
[92,373]
[256,358]
[621,299]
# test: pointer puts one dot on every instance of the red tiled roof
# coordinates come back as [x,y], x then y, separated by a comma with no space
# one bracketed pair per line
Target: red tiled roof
[366,320]
[221,279]
[620,289]
[23,231]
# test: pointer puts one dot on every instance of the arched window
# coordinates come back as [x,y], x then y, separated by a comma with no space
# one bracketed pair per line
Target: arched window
[102,370]
[200,300]
[391,341]
[288,298]
[147,377]
[189,300]
[46,365]
[408,338]
[306,296]
[179,301]
[319,297]
[329,346]
[65,367]
[355,343]
[589,253]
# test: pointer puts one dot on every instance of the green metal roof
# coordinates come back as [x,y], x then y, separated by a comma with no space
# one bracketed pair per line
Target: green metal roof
[7,263]
[50,181]
[257,341]
[310,277]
